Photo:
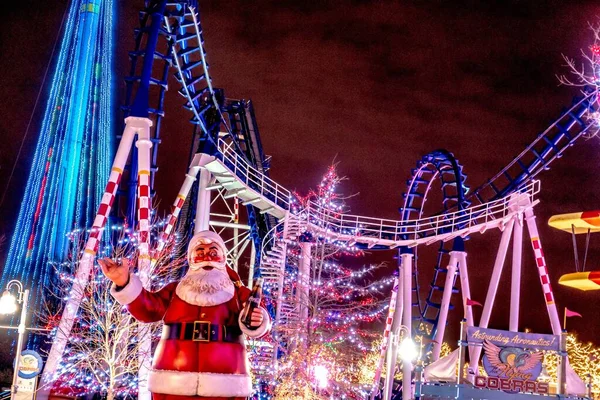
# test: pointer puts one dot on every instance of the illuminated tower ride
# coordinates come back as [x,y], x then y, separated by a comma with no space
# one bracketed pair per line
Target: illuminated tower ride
[74,149]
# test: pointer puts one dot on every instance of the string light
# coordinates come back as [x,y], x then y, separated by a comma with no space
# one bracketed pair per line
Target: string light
[73,152]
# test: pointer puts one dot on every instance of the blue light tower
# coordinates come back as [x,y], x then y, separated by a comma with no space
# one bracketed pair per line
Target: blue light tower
[74,149]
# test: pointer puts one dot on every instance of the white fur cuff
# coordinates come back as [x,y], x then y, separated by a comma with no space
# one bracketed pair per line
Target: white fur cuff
[207,384]
[129,293]
[261,330]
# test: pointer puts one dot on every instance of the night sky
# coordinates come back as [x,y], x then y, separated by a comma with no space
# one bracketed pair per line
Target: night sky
[375,86]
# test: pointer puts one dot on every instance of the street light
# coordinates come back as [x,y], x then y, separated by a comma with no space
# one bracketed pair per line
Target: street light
[408,350]
[8,305]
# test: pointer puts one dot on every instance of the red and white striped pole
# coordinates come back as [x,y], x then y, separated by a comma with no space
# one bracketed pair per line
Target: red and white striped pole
[189,180]
[540,261]
[386,338]
[144,145]
[82,275]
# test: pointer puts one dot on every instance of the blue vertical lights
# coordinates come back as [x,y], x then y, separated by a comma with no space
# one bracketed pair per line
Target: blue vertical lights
[74,151]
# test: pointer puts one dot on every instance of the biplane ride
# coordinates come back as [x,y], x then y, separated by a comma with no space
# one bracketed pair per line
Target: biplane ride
[579,223]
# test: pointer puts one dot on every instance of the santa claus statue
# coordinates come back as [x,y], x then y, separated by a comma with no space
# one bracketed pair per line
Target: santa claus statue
[201,353]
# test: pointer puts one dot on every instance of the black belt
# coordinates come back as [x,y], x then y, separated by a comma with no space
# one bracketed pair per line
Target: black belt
[202,331]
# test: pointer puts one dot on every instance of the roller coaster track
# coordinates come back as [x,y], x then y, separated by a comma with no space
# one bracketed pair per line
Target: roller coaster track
[170,36]
[547,147]
[441,165]
[242,180]
[245,182]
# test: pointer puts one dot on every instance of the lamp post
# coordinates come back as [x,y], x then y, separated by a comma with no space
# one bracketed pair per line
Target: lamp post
[8,305]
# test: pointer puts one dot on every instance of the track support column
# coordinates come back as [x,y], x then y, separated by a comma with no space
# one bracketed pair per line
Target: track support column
[446,296]
[515,287]
[493,288]
[303,289]
[407,259]
[392,350]
[465,288]
[144,215]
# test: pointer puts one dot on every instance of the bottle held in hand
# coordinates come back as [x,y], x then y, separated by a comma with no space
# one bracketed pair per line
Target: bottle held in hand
[252,304]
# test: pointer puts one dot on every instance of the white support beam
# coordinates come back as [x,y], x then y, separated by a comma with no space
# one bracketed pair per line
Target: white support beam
[493,288]
[407,259]
[515,286]
[446,296]
[203,202]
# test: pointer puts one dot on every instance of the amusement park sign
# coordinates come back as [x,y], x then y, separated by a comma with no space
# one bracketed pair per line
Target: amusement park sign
[510,362]
[514,339]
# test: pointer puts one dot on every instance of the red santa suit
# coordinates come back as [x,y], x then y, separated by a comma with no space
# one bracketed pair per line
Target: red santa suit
[201,352]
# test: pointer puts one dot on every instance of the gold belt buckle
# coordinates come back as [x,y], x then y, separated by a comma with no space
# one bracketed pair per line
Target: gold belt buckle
[197,333]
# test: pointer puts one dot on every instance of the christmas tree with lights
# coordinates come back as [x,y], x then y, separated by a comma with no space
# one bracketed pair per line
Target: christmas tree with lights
[338,302]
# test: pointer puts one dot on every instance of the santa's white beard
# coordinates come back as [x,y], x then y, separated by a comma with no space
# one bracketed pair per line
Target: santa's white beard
[205,288]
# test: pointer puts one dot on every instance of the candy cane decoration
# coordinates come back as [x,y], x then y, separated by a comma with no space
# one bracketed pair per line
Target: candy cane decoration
[540,261]
[190,177]
[82,276]
[386,335]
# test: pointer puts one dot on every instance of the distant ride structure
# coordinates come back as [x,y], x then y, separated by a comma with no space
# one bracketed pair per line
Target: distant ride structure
[72,155]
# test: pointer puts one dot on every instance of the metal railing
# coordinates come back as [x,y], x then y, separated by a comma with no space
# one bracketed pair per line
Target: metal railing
[367,229]
[252,178]
[395,230]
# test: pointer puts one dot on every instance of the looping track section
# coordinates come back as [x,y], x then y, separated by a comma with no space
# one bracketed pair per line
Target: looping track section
[442,166]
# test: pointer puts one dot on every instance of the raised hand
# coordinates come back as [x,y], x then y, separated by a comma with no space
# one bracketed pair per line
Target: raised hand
[115,271]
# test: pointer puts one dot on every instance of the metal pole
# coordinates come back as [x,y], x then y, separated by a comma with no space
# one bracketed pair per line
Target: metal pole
[461,351]
[252,262]
[407,321]
[515,289]
[21,330]
[493,288]
[236,232]
[144,217]
[303,289]
[392,350]
[562,369]
[465,288]
[439,335]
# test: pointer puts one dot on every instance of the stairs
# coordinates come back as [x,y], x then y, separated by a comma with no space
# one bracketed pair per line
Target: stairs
[277,274]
